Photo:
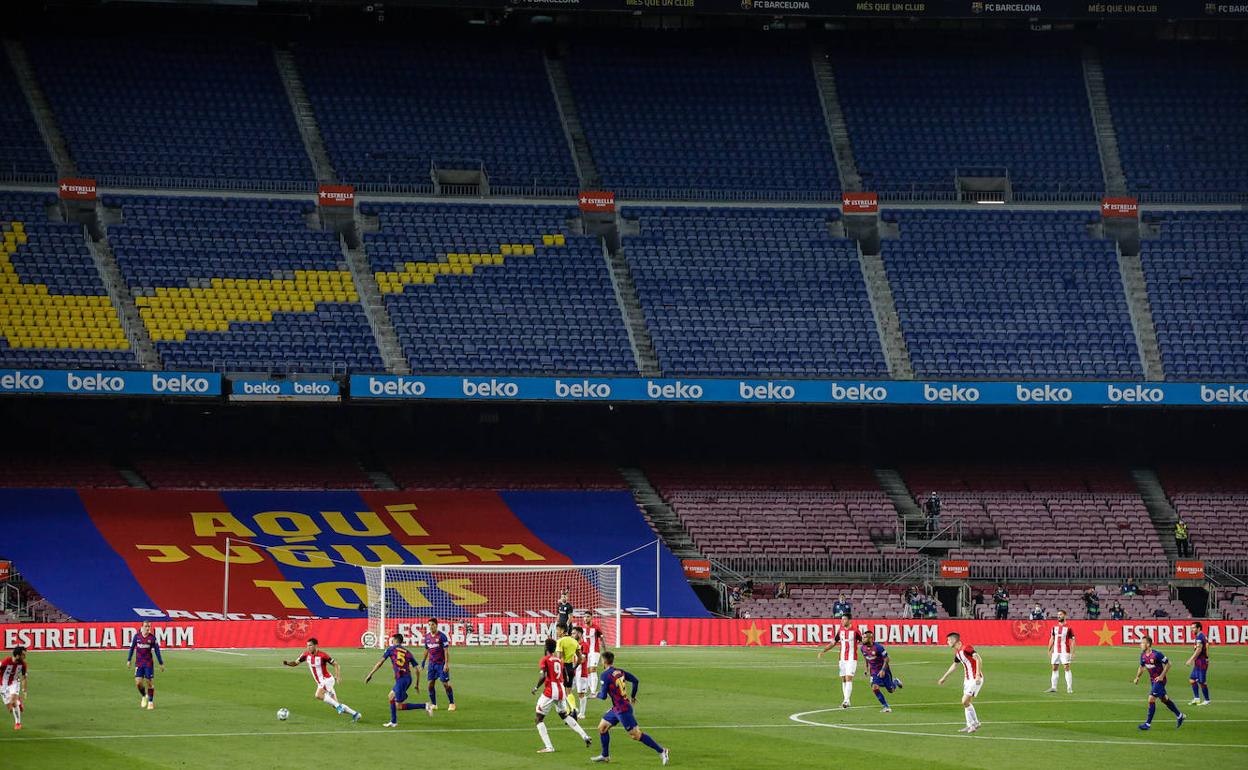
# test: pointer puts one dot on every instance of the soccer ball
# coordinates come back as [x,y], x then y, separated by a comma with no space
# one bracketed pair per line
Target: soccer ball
[283,714]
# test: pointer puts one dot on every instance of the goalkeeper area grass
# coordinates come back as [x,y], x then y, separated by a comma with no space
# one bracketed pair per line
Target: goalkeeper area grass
[712,707]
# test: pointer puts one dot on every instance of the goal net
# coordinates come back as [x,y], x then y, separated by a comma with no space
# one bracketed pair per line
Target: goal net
[490,605]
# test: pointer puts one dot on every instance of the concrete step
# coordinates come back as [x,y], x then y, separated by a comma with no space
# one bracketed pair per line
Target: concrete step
[664,520]
[838,130]
[625,289]
[305,116]
[41,109]
[569,116]
[375,310]
[123,302]
[1160,510]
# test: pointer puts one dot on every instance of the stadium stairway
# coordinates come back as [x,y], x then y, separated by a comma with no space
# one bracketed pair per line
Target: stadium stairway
[838,132]
[894,486]
[630,308]
[884,309]
[573,129]
[660,515]
[123,302]
[1160,509]
[1141,312]
[305,117]
[37,100]
[375,310]
[1103,123]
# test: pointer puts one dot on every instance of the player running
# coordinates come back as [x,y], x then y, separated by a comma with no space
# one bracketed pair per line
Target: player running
[1061,652]
[13,684]
[318,663]
[401,659]
[555,693]
[1199,661]
[972,681]
[437,647]
[597,646]
[877,667]
[621,711]
[847,638]
[569,655]
[580,678]
[142,647]
[1157,665]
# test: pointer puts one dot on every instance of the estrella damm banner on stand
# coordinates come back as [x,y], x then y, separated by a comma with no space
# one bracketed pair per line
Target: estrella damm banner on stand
[726,391]
[111,554]
[749,632]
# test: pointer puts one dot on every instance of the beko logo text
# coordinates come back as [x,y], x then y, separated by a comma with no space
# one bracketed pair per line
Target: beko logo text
[491,388]
[21,381]
[1228,394]
[1135,394]
[768,391]
[860,392]
[673,391]
[952,394]
[378,387]
[582,389]
[1042,394]
[179,383]
[95,383]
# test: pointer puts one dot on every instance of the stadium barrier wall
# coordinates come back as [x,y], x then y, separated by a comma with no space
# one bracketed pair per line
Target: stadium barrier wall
[510,631]
[631,389]
[750,632]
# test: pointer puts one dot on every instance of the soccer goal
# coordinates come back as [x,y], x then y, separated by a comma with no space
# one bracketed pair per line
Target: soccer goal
[492,605]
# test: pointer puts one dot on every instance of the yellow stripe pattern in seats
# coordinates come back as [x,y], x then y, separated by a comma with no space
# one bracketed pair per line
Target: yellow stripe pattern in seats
[31,317]
[393,282]
[171,312]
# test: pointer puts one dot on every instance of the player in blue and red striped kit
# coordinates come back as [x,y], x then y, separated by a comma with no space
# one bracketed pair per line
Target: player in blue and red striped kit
[439,667]
[621,712]
[1157,665]
[1199,661]
[401,659]
[142,647]
[877,667]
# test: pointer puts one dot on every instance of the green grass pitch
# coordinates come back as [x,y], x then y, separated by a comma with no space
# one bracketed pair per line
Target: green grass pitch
[713,707]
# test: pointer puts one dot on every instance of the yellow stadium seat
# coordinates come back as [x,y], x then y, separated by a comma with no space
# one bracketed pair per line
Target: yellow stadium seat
[528,250]
[559,239]
[548,240]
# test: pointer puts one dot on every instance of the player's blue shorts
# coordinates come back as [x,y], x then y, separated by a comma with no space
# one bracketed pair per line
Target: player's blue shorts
[401,685]
[884,679]
[1199,675]
[624,718]
[1159,690]
[144,672]
[436,671]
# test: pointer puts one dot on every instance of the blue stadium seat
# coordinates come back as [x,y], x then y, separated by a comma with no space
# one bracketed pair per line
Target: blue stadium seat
[22,150]
[1013,294]
[748,292]
[1198,288]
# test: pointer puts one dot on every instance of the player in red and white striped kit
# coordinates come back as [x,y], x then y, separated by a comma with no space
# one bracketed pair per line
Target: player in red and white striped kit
[848,638]
[1061,652]
[319,663]
[13,684]
[554,693]
[972,677]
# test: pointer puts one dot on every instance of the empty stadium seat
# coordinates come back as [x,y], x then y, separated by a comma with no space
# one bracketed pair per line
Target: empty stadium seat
[165,111]
[752,292]
[241,284]
[688,115]
[1179,114]
[388,110]
[919,112]
[22,150]
[1009,294]
[54,310]
[1198,288]
[474,288]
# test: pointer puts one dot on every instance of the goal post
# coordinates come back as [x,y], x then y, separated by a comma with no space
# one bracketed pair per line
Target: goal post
[512,604]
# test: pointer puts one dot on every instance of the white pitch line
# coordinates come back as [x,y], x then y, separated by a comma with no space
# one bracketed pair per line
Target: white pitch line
[226,652]
[349,731]
[1146,743]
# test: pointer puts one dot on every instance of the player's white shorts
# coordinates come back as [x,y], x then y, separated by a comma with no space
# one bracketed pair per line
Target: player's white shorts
[327,684]
[10,691]
[580,684]
[544,703]
[594,657]
[849,667]
[971,686]
[1062,658]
